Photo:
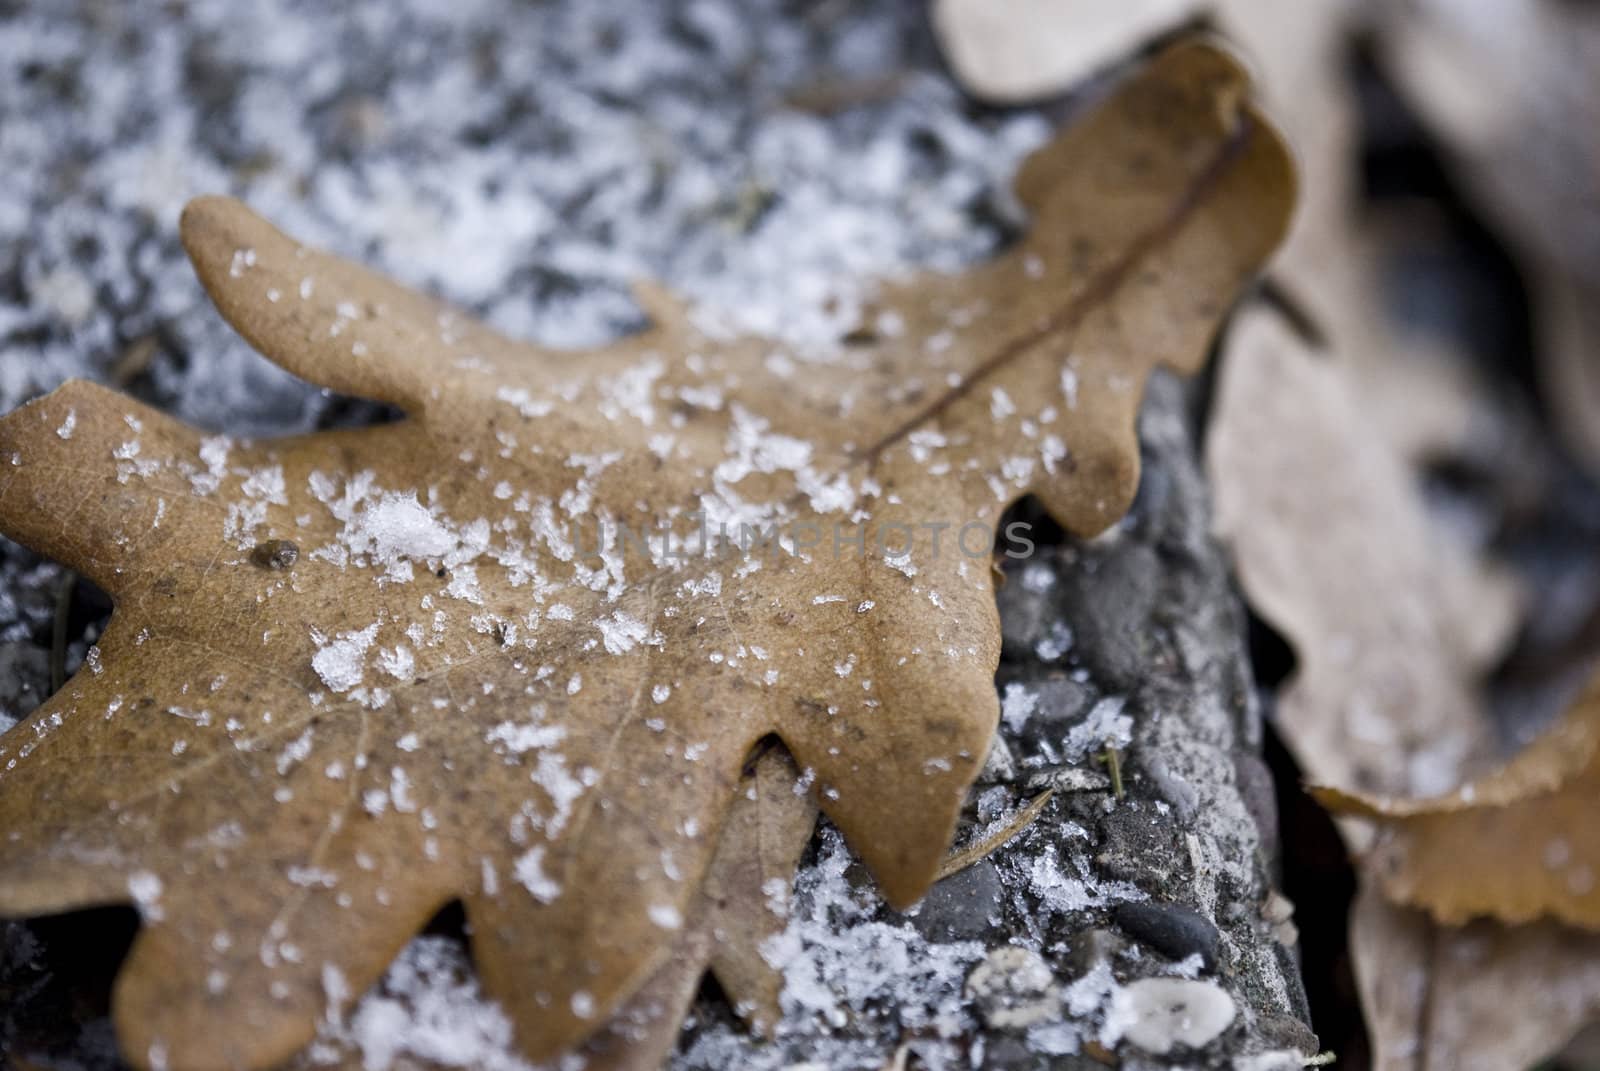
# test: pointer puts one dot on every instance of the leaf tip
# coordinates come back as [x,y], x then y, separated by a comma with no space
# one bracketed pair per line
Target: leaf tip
[1347,804]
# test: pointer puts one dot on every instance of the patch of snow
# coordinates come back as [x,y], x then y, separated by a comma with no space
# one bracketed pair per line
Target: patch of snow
[341,663]
[529,871]
[1017,706]
[145,889]
[428,1007]
[1105,726]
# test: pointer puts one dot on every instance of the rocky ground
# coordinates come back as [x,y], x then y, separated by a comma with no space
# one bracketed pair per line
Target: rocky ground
[769,159]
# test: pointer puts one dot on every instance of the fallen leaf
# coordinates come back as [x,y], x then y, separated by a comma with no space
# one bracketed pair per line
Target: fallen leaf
[1391,625]
[743,902]
[1518,844]
[1513,93]
[1333,548]
[1425,398]
[1485,997]
[1423,395]
[1511,90]
[1423,1010]
[455,692]
[1021,50]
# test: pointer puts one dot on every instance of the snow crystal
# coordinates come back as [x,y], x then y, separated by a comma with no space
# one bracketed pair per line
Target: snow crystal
[1056,642]
[397,662]
[214,454]
[621,632]
[341,664]
[1069,383]
[529,871]
[397,526]
[1062,892]
[520,737]
[266,483]
[145,888]
[428,1007]
[666,916]
[835,954]
[464,585]
[1016,706]
[524,402]
[1105,726]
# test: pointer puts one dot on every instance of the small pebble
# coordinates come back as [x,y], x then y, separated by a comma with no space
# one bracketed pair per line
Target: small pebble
[275,554]
[1093,947]
[1173,930]
[1159,1014]
[960,907]
[1014,989]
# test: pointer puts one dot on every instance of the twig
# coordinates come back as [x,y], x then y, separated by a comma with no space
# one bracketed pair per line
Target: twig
[1113,760]
[994,838]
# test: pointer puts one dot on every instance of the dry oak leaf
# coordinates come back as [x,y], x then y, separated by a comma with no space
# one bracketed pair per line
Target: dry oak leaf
[1017,51]
[1482,997]
[1510,91]
[742,904]
[290,770]
[1391,624]
[1517,845]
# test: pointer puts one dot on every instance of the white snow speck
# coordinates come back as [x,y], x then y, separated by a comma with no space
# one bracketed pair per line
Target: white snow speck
[397,525]
[1016,706]
[145,888]
[340,664]
[621,632]
[666,916]
[529,871]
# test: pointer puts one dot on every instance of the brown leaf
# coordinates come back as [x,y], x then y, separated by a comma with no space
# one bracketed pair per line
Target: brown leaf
[1334,549]
[1518,844]
[289,769]
[743,903]
[1513,93]
[1024,50]
[1434,997]
[1484,997]
[1427,400]
[1392,625]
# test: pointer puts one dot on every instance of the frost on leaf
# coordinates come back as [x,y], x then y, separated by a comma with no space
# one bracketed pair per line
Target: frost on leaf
[513,661]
